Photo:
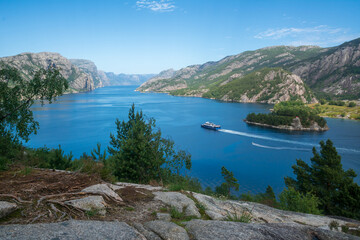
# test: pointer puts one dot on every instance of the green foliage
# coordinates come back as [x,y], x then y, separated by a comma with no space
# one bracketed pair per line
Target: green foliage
[327,180]
[230,183]
[176,214]
[351,104]
[267,198]
[97,155]
[292,200]
[337,103]
[140,154]
[285,112]
[17,95]
[334,225]
[322,101]
[185,183]
[245,217]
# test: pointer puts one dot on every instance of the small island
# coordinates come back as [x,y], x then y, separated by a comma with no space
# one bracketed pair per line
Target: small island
[289,115]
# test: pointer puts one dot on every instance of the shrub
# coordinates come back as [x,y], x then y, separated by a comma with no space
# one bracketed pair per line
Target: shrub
[292,200]
[351,104]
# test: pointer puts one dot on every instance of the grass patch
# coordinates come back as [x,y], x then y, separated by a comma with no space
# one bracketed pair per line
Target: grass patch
[245,217]
[130,209]
[92,212]
[25,171]
[333,111]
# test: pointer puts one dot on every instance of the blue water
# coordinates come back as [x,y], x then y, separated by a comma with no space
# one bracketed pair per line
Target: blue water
[257,156]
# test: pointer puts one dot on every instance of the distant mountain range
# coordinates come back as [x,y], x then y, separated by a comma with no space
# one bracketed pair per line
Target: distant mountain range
[81,74]
[269,75]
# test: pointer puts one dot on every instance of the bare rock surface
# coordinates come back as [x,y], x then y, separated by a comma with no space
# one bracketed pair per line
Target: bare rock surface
[6,208]
[219,209]
[149,235]
[104,189]
[167,230]
[179,201]
[208,230]
[147,187]
[89,203]
[71,230]
[163,216]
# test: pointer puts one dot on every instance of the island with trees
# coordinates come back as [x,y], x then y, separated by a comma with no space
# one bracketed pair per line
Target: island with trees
[289,115]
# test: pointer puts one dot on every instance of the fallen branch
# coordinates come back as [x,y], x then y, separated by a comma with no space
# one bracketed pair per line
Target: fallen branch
[15,197]
[36,218]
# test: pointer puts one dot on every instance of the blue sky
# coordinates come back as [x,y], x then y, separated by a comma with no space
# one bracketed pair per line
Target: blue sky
[148,36]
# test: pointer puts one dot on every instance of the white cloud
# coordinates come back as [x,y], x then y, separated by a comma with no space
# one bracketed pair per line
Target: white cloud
[156,5]
[294,32]
[321,35]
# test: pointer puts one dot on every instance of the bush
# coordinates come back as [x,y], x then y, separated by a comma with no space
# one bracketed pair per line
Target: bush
[351,104]
[292,200]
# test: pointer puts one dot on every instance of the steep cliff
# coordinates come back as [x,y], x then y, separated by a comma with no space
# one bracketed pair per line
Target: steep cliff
[90,68]
[332,71]
[28,63]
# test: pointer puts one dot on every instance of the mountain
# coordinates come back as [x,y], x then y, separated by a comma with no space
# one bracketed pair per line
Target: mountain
[82,75]
[327,71]
[125,79]
[90,68]
[28,63]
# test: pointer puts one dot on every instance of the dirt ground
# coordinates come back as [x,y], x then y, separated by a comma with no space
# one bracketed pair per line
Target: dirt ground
[25,186]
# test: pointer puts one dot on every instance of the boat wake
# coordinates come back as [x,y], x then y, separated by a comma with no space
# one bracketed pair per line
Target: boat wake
[280,148]
[244,134]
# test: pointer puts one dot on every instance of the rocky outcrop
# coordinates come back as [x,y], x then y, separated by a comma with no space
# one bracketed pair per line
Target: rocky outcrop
[103,189]
[295,126]
[330,70]
[179,201]
[213,230]
[95,203]
[167,230]
[71,230]
[29,63]
[264,222]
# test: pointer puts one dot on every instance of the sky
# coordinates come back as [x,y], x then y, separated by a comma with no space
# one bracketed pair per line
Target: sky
[149,36]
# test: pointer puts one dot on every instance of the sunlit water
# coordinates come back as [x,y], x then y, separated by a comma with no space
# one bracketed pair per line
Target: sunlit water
[257,156]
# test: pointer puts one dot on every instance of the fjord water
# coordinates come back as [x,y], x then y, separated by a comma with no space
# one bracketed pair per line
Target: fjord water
[257,156]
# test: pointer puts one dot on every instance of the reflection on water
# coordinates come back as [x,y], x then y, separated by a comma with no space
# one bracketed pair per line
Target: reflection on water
[79,121]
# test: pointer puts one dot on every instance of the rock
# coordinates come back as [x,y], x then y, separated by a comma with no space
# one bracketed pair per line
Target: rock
[220,209]
[178,201]
[207,230]
[71,230]
[147,187]
[6,208]
[167,230]
[163,216]
[149,235]
[89,203]
[102,188]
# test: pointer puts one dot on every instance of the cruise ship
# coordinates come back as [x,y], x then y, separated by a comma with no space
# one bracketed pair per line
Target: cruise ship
[211,126]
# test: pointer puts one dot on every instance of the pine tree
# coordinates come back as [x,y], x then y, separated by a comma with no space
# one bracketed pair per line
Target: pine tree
[140,153]
[326,178]
[230,183]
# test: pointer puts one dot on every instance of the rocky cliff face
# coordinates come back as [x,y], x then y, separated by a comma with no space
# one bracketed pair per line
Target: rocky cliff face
[28,63]
[90,68]
[333,71]
[337,71]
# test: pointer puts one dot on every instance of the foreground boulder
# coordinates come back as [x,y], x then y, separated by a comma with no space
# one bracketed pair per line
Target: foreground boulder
[208,230]
[71,230]
[6,208]
[179,201]
[89,203]
[167,230]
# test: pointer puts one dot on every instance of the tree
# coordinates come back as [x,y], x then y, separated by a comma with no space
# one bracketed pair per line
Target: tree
[327,180]
[139,152]
[230,183]
[17,95]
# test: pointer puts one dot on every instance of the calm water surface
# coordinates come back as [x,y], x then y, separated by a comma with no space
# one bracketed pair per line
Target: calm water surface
[257,156]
